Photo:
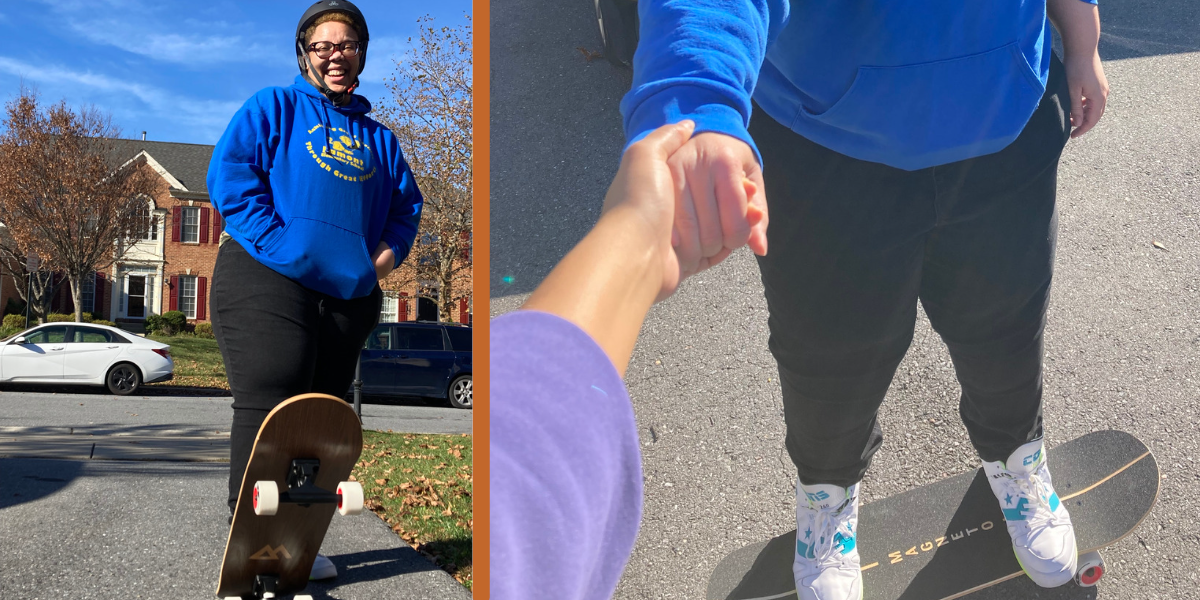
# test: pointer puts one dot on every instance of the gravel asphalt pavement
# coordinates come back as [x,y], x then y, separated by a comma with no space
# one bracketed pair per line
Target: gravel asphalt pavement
[1122,341]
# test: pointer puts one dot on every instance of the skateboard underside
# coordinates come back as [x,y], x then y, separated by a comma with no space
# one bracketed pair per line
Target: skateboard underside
[948,539]
[283,546]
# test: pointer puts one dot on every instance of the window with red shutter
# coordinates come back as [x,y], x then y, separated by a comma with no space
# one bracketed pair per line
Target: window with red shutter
[201,298]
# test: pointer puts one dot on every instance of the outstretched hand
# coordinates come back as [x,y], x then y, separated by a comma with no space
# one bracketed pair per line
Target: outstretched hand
[722,204]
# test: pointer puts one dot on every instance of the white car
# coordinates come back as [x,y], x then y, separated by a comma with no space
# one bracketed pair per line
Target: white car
[84,353]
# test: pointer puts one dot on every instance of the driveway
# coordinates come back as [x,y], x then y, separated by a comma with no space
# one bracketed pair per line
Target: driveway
[1122,342]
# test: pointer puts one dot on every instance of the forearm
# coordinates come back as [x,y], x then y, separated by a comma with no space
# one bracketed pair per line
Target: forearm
[1078,23]
[699,60]
[607,283]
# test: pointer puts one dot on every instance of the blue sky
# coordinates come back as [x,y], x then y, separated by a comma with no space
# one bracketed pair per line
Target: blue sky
[178,69]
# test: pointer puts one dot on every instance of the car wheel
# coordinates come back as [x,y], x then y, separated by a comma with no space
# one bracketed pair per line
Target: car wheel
[618,21]
[461,392]
[123,379]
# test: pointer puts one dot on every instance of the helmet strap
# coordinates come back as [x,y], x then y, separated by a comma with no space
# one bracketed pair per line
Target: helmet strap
[337,98]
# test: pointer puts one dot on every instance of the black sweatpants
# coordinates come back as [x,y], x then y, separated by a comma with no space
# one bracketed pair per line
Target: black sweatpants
[278,339]
[855,244]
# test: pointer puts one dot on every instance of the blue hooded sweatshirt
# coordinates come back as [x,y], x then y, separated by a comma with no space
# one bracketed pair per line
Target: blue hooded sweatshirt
[309,189]
[906,84]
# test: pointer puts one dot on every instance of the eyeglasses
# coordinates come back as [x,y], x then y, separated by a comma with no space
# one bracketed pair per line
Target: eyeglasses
[348,48]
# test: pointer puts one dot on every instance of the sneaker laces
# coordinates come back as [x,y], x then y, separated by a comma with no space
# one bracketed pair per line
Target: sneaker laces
[1033,488]
[826,528]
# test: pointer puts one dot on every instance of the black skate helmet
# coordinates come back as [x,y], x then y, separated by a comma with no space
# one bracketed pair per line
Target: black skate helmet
[306,68]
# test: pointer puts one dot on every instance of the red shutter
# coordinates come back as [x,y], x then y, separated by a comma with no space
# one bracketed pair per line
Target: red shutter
[216,218]
[174,293]
[176,219]
[462,310]
[402,312]
[204,225]
[201,298]
[99,295]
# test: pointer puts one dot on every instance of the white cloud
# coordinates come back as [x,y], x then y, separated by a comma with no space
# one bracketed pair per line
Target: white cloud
[206,116]
[145,30]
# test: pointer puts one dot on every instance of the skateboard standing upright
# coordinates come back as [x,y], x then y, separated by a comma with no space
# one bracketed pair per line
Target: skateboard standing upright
[304,451]
[948,539]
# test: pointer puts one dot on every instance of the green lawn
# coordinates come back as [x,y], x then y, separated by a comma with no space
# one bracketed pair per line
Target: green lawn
[197,361]
[421,485]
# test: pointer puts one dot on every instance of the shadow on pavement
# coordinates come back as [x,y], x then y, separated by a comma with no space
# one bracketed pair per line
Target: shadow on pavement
[370,566]
[1135,28]
[1023,587]
[24,480]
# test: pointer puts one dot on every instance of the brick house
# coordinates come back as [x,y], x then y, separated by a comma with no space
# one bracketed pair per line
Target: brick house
[171,266]
[408,305]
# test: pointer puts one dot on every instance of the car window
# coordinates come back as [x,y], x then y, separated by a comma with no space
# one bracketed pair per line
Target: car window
[460,338]
[47,335]
[87,335]
[418,338]
[379,339]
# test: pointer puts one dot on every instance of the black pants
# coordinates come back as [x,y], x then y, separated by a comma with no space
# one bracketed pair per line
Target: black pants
[855,244]
[278,339]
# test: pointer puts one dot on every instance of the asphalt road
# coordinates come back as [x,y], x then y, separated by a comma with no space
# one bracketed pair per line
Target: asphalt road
[1122,341]
[192,415]
[119,529]
[155,526]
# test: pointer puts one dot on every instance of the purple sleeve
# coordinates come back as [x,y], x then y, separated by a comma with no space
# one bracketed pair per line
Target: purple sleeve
[566,475]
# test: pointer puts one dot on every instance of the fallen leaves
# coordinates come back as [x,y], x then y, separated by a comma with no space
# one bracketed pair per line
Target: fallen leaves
[589,55]
[422,488]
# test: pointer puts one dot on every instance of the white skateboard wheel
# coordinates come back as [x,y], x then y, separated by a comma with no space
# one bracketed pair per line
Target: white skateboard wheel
[351,502]
[304,597]
[266,498]
[1091,569]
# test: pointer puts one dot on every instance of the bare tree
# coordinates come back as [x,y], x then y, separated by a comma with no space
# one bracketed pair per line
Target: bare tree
[35,287]
[65,195]
[430,113]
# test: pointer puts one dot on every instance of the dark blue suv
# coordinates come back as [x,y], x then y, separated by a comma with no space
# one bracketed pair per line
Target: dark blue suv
[431,360]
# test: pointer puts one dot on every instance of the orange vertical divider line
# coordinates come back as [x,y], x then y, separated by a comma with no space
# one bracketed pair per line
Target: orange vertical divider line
[481,176]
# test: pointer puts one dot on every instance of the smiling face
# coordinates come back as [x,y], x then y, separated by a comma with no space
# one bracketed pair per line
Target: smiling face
[338,71]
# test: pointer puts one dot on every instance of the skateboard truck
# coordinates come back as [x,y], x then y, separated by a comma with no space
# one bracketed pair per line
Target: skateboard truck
[303,490]
[265,587]
[302,487]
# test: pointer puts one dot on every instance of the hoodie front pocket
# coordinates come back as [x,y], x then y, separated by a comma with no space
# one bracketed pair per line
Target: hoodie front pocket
[324,257]
[933,107]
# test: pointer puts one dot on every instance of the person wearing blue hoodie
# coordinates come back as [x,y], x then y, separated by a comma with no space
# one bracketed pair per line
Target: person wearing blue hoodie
[319,205]
[901,152]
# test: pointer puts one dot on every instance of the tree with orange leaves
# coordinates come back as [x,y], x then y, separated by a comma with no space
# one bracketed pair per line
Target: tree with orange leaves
[65,195]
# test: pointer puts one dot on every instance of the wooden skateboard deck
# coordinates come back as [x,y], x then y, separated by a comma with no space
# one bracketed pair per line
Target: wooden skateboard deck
[284,545]
[948,539]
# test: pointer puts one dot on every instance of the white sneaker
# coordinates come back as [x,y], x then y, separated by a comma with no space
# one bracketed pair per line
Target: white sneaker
[826,566]
[322,569]
[1041,531]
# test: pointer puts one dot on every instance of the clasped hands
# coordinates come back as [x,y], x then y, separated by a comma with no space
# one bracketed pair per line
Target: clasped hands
[699,198]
